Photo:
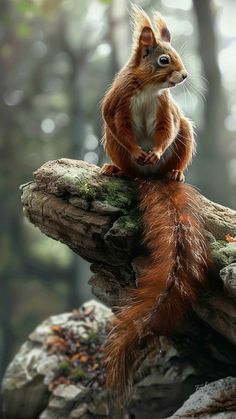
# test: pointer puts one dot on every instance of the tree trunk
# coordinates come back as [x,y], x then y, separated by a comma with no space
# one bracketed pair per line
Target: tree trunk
[212,174]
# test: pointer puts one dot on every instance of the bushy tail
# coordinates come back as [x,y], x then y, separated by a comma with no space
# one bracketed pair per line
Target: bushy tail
[168,285]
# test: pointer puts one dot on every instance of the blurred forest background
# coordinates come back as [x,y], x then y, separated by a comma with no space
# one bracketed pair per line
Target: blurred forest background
[57,58]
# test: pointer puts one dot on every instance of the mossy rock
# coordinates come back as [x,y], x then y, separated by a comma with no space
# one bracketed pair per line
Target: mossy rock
[119,193]
[223,253]
[130,223]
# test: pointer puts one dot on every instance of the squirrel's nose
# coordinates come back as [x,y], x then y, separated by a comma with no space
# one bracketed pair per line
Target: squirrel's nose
[184,76]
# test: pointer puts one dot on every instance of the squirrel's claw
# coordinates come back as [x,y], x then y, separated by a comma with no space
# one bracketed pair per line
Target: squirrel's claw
[176,175]
[109,169]
[152,158]
[139,155]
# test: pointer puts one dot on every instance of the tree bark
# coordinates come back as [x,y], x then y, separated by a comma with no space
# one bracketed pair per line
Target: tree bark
[211,148]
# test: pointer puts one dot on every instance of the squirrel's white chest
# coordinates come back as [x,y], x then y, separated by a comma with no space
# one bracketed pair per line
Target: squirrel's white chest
[144,108]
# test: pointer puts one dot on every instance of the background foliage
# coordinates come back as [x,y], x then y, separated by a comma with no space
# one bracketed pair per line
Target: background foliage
[57,57]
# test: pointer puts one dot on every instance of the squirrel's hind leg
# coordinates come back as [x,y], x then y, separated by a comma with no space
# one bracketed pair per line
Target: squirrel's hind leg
[112,170]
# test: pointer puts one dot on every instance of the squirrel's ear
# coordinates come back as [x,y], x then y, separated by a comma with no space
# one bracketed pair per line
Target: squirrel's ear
[143,33]
[162,29]
[147,38]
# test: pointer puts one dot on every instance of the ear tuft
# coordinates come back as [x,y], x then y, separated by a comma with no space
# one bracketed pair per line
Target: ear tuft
[162,29]
[140,23]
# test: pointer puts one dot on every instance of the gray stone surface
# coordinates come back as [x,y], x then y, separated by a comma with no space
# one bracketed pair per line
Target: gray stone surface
[213,401]
[166,378]
[228,276]
[25,385]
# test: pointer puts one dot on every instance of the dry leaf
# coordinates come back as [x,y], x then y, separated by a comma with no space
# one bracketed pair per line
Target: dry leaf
[56,344]
[95,367]
[84,359]
[56,329]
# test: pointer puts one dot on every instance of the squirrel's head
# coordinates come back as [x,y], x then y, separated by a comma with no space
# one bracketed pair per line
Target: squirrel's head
[153,55]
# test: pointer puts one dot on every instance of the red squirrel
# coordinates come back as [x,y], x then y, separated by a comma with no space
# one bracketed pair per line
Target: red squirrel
[148,138]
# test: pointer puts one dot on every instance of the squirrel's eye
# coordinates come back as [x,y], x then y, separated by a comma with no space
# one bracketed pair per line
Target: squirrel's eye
[163,60]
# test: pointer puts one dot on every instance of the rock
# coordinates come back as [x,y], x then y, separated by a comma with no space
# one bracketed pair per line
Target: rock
[79,412]
[212,401]
[67,196]
[68,392]
[228,276]
[125,227]
[79,203]
[25,385]
[219,312]
[97,217]
[108,283]
[106,231]
[223,253]
[56,358]
[105,208]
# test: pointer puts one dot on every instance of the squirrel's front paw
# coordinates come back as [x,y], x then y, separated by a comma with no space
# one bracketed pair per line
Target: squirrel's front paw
[176,175]
[139,155]
[153,157]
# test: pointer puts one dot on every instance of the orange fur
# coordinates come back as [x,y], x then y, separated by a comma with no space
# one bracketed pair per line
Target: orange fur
[172,126]
[147,136]
[175,274]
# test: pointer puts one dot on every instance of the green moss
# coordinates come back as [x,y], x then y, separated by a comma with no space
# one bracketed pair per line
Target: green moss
[86,191]
[64,368]
[222,243]
[93,337]
[78,373]
[129,222]
[79,182]
[117,194]
[224,253]
[230,251]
